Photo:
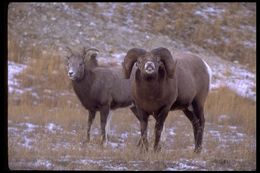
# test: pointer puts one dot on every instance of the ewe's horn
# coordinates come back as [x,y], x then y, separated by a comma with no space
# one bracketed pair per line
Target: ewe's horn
[90,49]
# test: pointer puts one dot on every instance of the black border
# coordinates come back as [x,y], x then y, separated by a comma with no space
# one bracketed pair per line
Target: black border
[4,90]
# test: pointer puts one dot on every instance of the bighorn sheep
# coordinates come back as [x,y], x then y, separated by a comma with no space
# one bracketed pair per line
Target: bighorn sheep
[163,83]
[98,88]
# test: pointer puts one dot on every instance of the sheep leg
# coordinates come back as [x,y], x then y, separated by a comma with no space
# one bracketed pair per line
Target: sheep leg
[199,113]
[195,123]
[143,142]
[159,125]
[196,117]
[103,121]
[163,134]
[91,116]
[134,110]
[107,128]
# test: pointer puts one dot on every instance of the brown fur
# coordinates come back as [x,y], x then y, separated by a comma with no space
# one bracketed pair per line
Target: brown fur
[181,82]
[98,88]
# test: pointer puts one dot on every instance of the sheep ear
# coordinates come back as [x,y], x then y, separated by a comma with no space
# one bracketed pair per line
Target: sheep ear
[167,59]
[129,60]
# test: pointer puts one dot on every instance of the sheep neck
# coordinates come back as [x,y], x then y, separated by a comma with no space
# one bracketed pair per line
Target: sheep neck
[150,88]
[83,86]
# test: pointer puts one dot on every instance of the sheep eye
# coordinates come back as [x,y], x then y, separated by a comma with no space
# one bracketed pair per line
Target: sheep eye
[138,63]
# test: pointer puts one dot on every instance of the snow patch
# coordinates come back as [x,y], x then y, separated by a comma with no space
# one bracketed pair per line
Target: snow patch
[208,12]
[223,118]
[45,163]
[238,79]
[30,127]
[53,127]
[171,131]
[185,164]
[249,44]
[113,145]
[13,70]
[27,142]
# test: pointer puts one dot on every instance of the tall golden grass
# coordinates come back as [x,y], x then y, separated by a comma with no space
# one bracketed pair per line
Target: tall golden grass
[56,102]
[46,72]
[240,111]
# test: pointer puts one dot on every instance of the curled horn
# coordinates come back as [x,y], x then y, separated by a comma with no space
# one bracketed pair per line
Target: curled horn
[93,49]
[166,58]
[90,56]
[68,50]
[87,51]
[130,59]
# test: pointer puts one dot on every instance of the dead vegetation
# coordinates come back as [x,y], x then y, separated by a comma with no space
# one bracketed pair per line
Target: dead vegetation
[230,130]
[227,29]
[64,110]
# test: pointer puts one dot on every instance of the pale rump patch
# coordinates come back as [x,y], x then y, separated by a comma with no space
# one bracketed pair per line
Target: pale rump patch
[209,72]
[107,128]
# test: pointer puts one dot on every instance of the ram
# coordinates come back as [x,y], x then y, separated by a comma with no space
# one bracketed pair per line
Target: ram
[98,88]
[163,83]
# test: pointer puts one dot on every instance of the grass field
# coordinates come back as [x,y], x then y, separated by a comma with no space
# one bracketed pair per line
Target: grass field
[47,125]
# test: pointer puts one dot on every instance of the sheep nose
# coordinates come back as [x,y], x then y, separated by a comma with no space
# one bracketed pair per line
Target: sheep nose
[149,67]
[70,73]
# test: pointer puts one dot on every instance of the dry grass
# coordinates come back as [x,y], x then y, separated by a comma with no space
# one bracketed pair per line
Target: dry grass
[240,111]
[18,55]
[190,28]
[45,67]
[46,77]
[223,34]
[72,118]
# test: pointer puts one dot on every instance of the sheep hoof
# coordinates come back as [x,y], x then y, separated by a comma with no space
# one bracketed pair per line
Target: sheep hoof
[157,148]
[86,141]
[138,143]
[197,150]
[143,145]
[103,141]
[143,149]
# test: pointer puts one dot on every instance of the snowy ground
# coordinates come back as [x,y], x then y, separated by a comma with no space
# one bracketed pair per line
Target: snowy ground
[231,75]
[105,28]
[28,135]
[13,83]
[236,78]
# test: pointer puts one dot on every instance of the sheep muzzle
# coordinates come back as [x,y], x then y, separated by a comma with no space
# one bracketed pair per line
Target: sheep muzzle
[149,67]
[71,75]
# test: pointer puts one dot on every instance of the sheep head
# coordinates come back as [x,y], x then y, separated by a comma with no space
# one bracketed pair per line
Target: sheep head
[149,64]
[77,63]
